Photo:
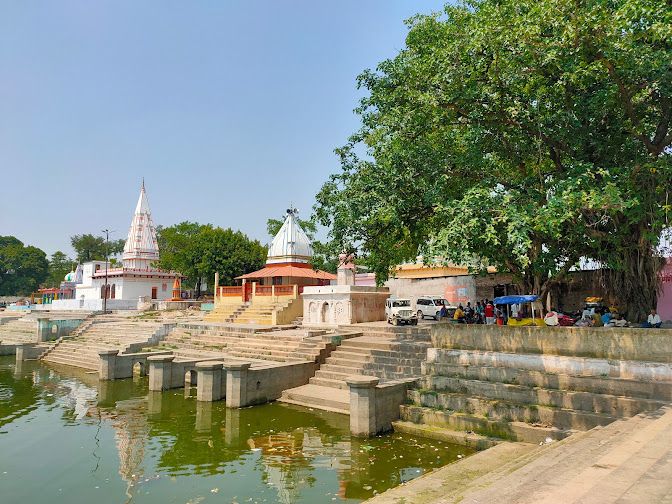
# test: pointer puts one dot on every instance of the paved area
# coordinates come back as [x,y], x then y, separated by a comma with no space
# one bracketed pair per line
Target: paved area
[626,462]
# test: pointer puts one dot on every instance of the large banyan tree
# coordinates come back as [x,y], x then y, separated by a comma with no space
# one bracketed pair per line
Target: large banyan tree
[522,134]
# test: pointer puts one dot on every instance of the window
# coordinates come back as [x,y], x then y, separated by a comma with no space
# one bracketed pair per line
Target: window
[164,287]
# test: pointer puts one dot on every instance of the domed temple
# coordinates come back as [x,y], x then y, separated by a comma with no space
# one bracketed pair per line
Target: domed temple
[272,295]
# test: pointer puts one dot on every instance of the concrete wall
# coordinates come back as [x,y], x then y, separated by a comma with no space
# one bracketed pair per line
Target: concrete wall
[289,314]
[665,297]
[373,407]
[89,304]
[257,386]
[456,290]
[654,345]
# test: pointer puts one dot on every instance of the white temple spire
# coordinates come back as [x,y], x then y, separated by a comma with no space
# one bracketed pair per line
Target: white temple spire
[291,244]
[141,247]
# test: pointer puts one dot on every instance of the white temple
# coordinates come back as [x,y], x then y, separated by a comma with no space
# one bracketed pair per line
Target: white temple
[137,279]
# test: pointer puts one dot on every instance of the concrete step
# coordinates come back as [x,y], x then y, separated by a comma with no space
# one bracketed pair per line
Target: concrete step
[472,440]
[503,411]
[463,422]
[318,397]
[585,401]
[71,361]
[658,390]
[625,462]
[328,382]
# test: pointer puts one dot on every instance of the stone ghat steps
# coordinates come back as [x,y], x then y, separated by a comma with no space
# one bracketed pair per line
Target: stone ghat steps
[243,352]
[82,350]
[609,404]
[465,423]
[19,331]
[215,335]
[267,345]
[399,333]
[386,358]
[313,396]
[659,390]
[625,462]
[334,376]
[508,411]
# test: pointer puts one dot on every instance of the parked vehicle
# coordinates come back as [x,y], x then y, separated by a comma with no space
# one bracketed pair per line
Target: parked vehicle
[399,311]
[430,306]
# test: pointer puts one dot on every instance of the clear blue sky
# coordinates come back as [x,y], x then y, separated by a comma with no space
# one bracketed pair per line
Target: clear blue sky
[229,109]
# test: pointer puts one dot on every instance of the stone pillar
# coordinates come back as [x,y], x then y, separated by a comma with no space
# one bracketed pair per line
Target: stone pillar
[216,286]
[160,371]
[108,364]
[209,381]
[236,384]
[43,329]
[362,405]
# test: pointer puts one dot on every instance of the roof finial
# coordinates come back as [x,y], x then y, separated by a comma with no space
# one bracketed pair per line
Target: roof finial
[143,184]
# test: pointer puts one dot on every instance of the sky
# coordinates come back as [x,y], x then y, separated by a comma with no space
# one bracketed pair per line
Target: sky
[230,110]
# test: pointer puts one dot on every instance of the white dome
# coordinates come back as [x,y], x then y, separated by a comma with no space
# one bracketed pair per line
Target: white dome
[70,277]
[290,245]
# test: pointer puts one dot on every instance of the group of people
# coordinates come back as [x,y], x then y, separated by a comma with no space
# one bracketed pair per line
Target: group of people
[484,312]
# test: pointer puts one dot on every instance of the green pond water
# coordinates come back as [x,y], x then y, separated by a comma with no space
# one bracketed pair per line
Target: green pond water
[65,437]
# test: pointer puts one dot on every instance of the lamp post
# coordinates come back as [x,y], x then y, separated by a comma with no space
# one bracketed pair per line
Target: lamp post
[107,238]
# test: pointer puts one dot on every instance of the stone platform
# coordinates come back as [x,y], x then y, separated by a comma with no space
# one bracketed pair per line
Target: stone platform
[626,462]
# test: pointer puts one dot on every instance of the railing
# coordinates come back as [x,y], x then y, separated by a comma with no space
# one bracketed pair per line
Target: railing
[284,290]
[263,290]
[233,291]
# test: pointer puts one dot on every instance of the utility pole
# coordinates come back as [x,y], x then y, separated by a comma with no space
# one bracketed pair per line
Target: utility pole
[107,239]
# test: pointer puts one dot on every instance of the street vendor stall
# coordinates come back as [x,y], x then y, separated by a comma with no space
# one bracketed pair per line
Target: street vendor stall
[519,300]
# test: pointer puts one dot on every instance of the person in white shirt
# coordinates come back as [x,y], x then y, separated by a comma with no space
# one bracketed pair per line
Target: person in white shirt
[653,320]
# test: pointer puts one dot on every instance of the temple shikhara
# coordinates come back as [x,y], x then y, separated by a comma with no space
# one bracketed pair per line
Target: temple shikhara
[136,280]
[272,295]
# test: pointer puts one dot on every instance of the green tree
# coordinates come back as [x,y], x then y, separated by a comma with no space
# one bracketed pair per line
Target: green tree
[92,248]
[59,266]
[22,268]
[199,250]
[521,134]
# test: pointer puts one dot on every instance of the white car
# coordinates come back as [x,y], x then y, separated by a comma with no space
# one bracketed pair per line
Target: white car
[399,311]
[430,306]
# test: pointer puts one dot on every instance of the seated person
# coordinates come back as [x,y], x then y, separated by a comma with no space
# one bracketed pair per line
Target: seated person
[597,320]
[653,321]
[606,317]
[444,311]
[617,321]
[459,314]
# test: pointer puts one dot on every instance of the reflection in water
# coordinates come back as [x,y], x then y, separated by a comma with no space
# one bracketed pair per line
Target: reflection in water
[276,453]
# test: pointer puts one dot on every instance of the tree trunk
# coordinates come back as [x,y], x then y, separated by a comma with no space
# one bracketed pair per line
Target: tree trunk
[198,288]
[635,286]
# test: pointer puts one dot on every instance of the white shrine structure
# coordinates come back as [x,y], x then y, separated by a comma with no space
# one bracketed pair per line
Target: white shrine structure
[136,281]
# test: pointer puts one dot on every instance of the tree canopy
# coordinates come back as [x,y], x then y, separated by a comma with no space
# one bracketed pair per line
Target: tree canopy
[522,134]
[199,250]
[89,247]
[59,266]
[22,267]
